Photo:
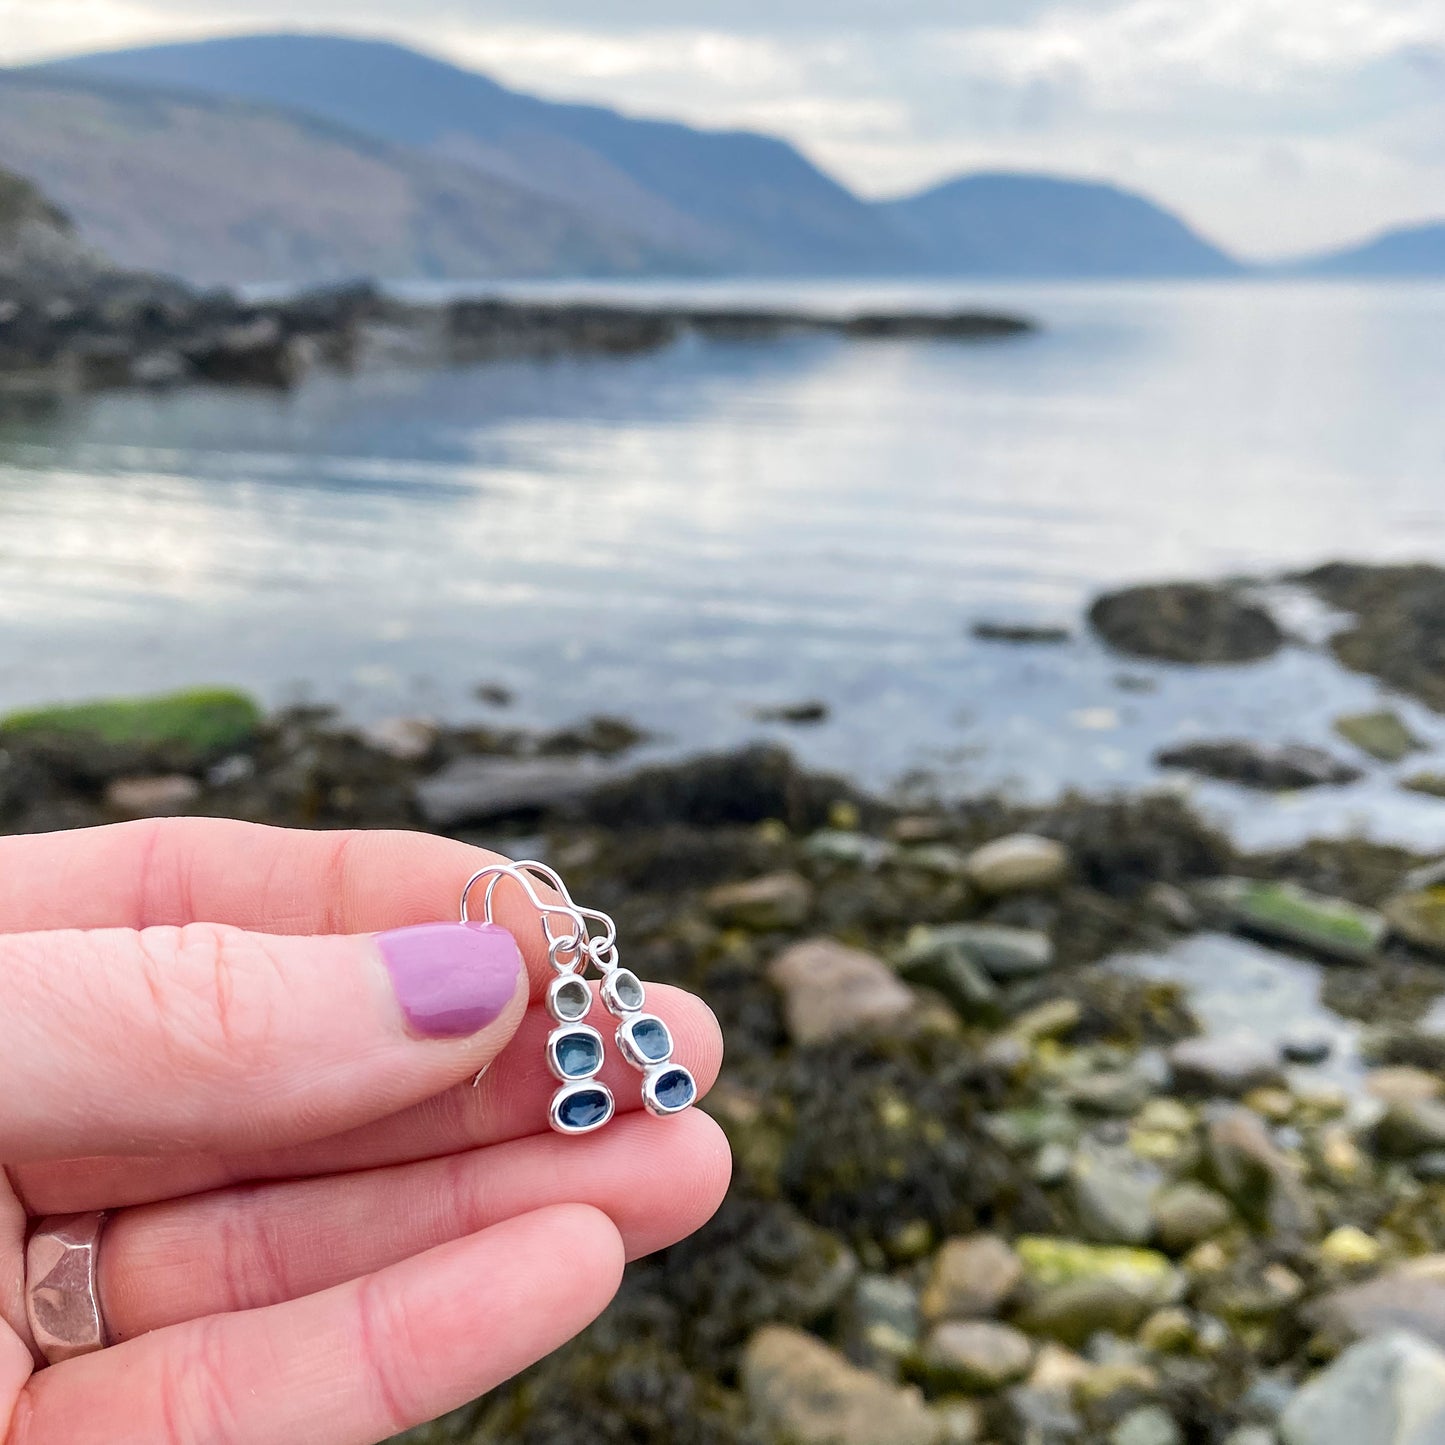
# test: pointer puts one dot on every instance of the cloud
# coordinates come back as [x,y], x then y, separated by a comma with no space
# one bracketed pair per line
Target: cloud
[1276,124]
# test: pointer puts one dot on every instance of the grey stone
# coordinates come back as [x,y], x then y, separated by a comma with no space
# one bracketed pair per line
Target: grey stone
[802,1391]
[1041,1417]
[973,996]
[975,1356]
[1260,765]
[407,739]
[1187,1214]
[1260,1180]
[1073,1290]
[1411,1127]
[1003,953]
[971,1278]
[881,1322]
[157,797]
[1409,1297]
[480,789]
[1112,1191]
[1224,1065]
[776,900]
[1147,1425]
[1019,863]
[830,991]
[1389,1390]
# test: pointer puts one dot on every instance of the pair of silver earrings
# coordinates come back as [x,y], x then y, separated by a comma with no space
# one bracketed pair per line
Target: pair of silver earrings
[583,1102]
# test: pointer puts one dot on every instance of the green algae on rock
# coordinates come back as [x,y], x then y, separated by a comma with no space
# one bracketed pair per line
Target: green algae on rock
[1329,927]
[1189,622]
[1382,734]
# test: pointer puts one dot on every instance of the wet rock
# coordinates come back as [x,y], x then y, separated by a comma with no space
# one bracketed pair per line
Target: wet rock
[1252,1435]
[1410,1297]
[1306,1048]
[1112,1191]
[1255,1174]
[1168,1331]
[152,797]
[1187,1214]
[802,1391]
[1172,907]
[1260,765]
[1185,622]
[848,848]
[1411,1127]
[1329,927]
[1419,918]
[1398,632]
[1147,1425]
[971,1278]
[1002,952]
[1431,783]
[1018,863]
[1020,633]
[1403,1084]
[800,714]
[1382,734]
[1385,1391]
[407,739]
[1223,1065]
[778,900]
[975,1356]
[829,991]
[881,1322]
[1074,1289]
[483,789]
[1040,1417]
[1350,1248]
[953,974]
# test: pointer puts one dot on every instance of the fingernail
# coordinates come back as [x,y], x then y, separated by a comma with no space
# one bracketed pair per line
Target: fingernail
[451,979]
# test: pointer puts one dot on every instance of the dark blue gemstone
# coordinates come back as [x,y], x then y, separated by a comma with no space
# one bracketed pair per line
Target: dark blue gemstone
[583,1109]
[652,1039]
[675,1089]
[579,1056]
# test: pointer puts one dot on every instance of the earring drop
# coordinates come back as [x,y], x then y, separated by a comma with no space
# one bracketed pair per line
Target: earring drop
[582,1102]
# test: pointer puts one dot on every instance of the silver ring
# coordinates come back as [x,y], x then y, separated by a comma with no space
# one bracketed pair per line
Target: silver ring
[62,1297]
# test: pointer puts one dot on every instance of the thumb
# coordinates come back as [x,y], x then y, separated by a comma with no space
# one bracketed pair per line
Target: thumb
[210,1037]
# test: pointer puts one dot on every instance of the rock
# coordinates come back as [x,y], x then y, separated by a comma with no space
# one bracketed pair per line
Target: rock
[1074,1289]
[1381,734]
[1419,918]
[483,789]
[1187,1214]
[1003,953]
[1112,1192]
[972,1278]
[1328,927]
[1432,784]
[1251,1435]
[1227,1065]
[1259,765]
[1306,1048]
[975,1356]
[1055,1018]
[950,972]
[1018,863]
[152,797]
[800,1390]
[881,1322]
[1020,633]
[1389,1390]
[1185,622]
[1263,1184]
[829,991]
[848,848]
[1349,1247]
[1410,1297]
[1403,1084]
[778,900]
[798,713]
[1167,1331]
[1147,1425]
[1398,632]
[1411,1127]
[407,739]
[1171,906]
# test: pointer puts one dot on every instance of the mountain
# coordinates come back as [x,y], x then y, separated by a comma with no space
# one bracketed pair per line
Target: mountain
[1409,251]
[36,236]
[729,200]
[1000,224]
[222,191]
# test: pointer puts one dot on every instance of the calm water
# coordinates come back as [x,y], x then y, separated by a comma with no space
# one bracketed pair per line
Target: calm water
[682,537]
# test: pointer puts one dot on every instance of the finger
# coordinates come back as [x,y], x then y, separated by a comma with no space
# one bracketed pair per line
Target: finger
[209,1037]
[240,1249]
[217,870]
[509,1103]
[351,1365]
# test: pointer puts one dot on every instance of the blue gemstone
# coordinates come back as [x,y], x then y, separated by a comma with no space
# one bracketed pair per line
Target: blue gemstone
[675,1089]
[579,1056]
[652,1039]
[583,1109]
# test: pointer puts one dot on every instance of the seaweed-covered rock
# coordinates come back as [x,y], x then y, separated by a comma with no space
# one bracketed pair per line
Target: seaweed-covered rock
[1381,733]
[1186,622]
[1398,631]
[1330,927]
[1075,1290]
[1259,765]
[1419,917]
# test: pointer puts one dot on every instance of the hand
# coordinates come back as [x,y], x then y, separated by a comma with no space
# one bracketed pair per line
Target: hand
[322,1232]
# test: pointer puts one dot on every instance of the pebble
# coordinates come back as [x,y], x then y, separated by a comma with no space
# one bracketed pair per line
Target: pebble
[1306,1048]
[1407,1129]
[1419,918]
[1409,1296]
[1147,1425]
[1350,1247]
[1261,1181]
[1187,1214]
[777,900]
[1226,1065]
[830,991]
[1002,952]
[1112,1192]
[1075,1289]
[1389,1390]
[1167,1332]
[972,1278]
[407,739]
[1021,862]
[158,797]
[1382,734]
[975,1356]
[1403,1084]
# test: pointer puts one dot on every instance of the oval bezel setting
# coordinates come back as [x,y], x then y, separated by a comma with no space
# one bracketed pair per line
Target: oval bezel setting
[556,1041]
[633,1048]
[569,1000]
[622,991]
[564,1097]
[659,1076]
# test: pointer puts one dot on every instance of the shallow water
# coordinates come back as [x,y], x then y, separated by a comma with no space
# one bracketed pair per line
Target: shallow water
[681,537]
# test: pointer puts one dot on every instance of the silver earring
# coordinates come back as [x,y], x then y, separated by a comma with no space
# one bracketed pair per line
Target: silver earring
[582,1101]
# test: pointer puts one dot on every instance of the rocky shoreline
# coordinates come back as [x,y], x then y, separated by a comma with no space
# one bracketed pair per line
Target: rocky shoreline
[992,1185]
[104,330]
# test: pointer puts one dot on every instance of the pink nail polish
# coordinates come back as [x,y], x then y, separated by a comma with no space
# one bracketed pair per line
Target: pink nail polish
[451,979]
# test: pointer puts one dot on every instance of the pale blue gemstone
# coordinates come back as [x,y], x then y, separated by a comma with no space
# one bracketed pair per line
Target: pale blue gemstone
[652,1039]
[579,1056]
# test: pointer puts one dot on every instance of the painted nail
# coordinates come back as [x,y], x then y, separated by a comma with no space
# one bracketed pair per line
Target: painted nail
[451,979]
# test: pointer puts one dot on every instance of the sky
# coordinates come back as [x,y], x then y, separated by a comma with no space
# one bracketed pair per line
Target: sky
[1275,126]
